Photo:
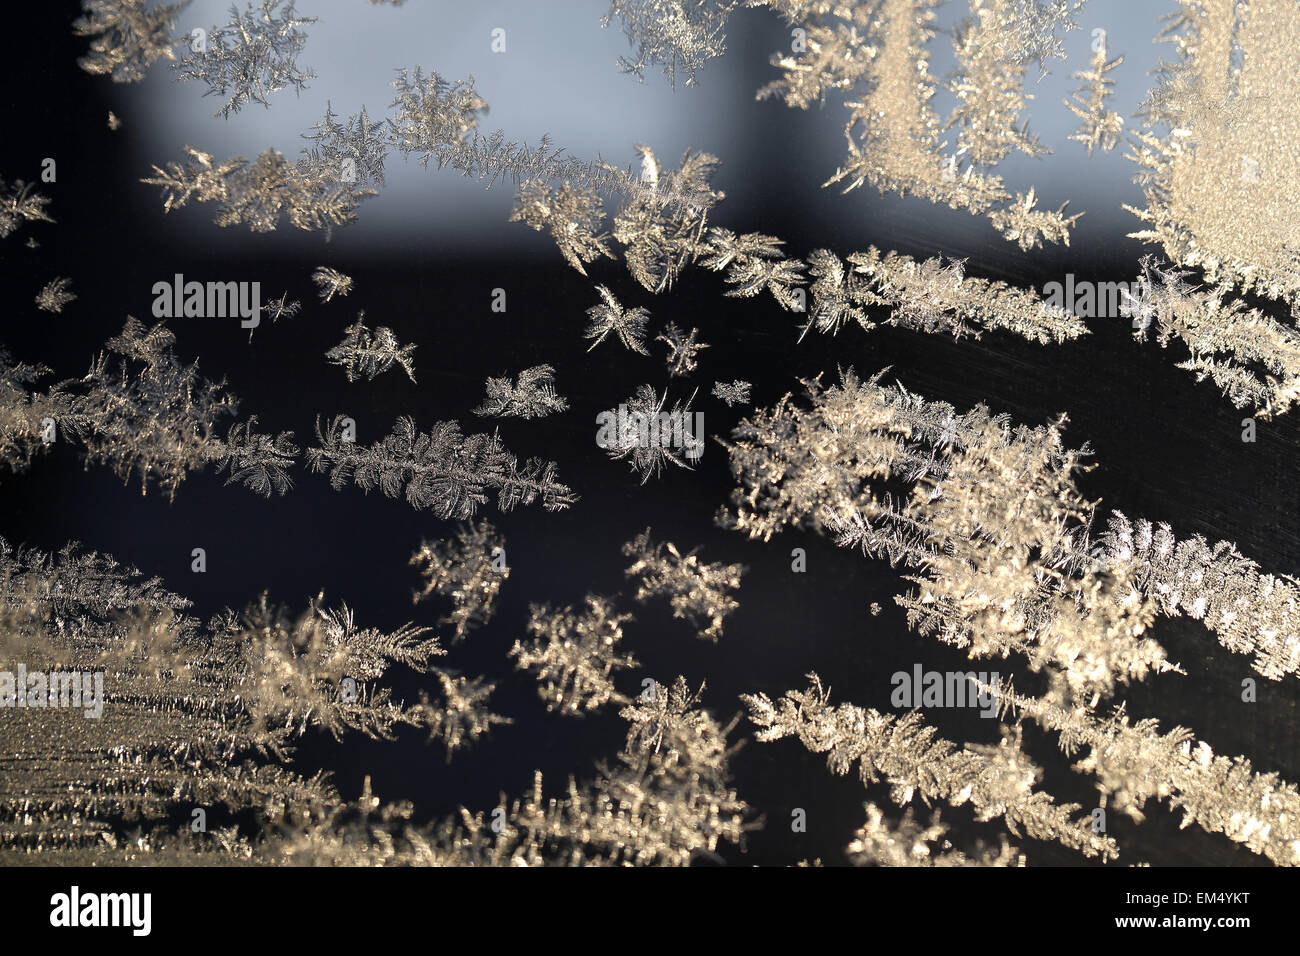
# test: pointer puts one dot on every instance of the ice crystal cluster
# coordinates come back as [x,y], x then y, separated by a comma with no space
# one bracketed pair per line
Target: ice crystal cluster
[147,415]
[876,57]
[980,521]
[1004,563]
[661,241]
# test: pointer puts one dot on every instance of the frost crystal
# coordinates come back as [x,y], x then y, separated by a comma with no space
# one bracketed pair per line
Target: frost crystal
[532,395]
[55,295]
[573,216]
[331,283]
[463,716]
[192,714]
[733,393]
[893,132]
[677,34]
[994,517]
[647,437]
[154,417]
[661,241]
[1248,611]
[682,349]
[128,37]
[1134,763]
[906,754]
[610,317]
[1101,126]
[250,57]
[351,152]
[433,115]
[282,308]
[257,195]
[879,843]
[574,655]
[18,204]
[443,470]
[698,592]
[465,569]
[363,353]
[1253,358]
[1220,184]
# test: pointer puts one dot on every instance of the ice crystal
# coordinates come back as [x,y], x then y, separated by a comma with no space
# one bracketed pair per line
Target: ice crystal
[258,194]
[433,115]
[280,308]
[443,470]
[251,57]
[733,393]
[611,318]
[930,296]
[55,295]
[1101,126]
[993,523]
[364,353]
[129,38]
[682,349]
[18,204]
[1253,358]
[996,781]
[893,132]
[463,715]
[1249,612]
[435,119]
[989,85]
[880,843]
[151,416]
[667,805]
[331,283]
[1219,183]
[573,216]
[468,569]
[23,411]
[660,236]
[532,395]
[258,461]
[193,715]
[352,152]
[1134,763]
[992,584]
[574,655]
[699,593]
[647,437]
[680,35]
[1032,30]
[661,241]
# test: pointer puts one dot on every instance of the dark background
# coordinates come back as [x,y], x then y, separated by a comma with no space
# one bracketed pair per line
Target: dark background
[1166,449]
